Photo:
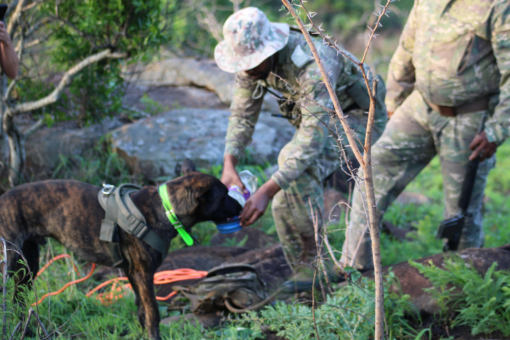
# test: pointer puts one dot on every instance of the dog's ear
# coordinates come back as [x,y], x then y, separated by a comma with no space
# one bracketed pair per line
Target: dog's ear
[187,166]
[203,194]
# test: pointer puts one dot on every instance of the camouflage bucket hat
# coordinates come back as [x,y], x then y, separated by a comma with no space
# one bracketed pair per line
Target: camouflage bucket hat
[249,39]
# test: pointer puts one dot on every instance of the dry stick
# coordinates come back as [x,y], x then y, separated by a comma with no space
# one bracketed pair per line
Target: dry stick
[322,262]
[313,304]
[316,227]
[339,266]
[4,283]
[30,313]
[363,160]
[15,330]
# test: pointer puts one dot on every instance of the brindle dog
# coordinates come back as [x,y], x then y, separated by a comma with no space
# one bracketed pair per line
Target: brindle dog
[69,212]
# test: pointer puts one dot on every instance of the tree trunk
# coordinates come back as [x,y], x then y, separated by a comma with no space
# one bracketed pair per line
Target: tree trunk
[373,218]
[16,149]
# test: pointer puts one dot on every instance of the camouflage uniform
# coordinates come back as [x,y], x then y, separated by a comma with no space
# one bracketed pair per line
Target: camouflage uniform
[310,156]
[450,53]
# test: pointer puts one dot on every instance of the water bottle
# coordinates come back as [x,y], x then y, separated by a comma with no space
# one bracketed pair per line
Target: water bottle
[250,183]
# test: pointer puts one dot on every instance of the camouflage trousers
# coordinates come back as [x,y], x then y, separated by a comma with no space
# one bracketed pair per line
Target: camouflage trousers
[293,207]
[413,136]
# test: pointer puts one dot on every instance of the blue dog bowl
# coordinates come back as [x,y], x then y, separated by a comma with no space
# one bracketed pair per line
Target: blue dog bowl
[230,226]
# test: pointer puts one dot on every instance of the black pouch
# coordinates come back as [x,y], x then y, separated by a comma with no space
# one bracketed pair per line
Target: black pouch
[451,229]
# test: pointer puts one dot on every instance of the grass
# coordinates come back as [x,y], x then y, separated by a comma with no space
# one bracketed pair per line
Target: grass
[73,314]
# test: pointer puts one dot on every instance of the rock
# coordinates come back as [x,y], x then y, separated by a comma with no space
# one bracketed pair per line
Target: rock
[44,147]
[251,238]
[402,235]
[155,145]
[412,198]
[171,97]
[186,72]
[412,282]
[200,73]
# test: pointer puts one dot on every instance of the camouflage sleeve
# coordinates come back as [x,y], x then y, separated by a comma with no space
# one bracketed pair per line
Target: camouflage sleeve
[497,128]
[401,76]
[245,110]
[309,140]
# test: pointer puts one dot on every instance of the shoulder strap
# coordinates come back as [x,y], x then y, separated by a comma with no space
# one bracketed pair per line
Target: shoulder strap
[131,220]
[109,231]
[120,211]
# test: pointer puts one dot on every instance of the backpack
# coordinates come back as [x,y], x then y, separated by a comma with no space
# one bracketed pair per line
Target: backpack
[237,283]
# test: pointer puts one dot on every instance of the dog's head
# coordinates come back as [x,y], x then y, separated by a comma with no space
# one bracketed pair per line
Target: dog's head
[197,197]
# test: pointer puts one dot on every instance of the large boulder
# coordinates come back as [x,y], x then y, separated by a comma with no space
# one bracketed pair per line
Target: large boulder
[45,147]
[201,73]
[155,146]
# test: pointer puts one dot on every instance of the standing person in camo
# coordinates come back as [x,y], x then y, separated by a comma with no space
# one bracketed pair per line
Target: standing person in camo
[452,67]
[261,54]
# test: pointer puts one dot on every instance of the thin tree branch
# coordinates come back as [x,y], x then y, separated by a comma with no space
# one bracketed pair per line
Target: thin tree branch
[31,130]
[13,19]
[64,82]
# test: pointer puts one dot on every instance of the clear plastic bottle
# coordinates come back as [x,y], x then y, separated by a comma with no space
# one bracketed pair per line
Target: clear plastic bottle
[250,183]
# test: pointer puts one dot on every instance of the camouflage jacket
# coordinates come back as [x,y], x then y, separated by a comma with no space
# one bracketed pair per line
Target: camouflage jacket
[302,84]
[454,52]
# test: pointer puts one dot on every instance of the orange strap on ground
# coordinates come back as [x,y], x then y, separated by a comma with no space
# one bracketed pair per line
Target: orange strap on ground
[160,278]
[54,259]
[67,285]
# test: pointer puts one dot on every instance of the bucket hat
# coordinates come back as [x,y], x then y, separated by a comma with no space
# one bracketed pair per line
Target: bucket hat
[250,38]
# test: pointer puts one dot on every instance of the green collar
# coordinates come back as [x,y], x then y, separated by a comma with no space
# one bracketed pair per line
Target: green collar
[163,193]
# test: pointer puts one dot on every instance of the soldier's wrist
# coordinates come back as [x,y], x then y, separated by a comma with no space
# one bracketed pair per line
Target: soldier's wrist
[229,161]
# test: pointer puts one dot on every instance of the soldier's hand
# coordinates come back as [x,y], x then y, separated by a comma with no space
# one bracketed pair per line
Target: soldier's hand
[390,113]
[230,177]
[257,204]
[481,145]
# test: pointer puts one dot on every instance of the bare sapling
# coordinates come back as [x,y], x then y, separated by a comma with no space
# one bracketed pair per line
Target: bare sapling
[365,159]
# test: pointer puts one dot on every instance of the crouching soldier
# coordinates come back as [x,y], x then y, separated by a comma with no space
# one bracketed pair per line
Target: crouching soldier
[272,55]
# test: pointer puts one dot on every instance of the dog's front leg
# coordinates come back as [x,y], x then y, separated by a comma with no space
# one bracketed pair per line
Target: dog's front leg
[148,313]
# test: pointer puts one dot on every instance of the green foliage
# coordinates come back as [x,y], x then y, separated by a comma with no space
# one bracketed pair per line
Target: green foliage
[348,16]
[348,314]
[79,29]
[482,302]
[100,165]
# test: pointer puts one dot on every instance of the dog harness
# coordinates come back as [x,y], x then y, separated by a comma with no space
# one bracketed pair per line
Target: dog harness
[120,211]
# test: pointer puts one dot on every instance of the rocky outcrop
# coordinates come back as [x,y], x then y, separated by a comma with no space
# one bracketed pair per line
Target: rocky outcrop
[155,146]
[45,147]
[200,73]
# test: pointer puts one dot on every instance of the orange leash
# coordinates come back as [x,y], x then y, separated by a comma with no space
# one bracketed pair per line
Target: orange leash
[67,285]
[54,259]
[160,278]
